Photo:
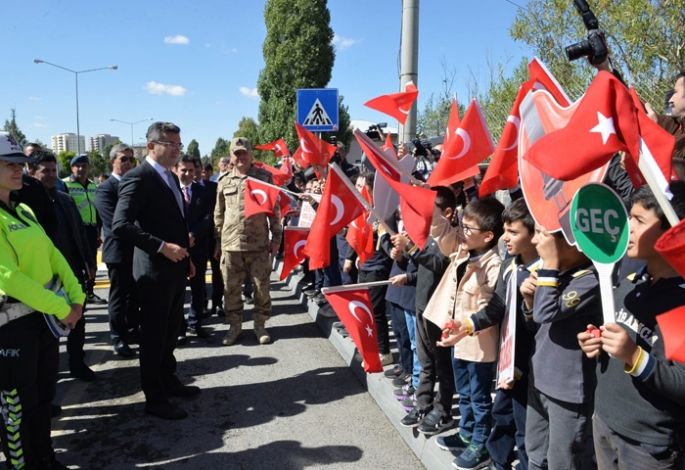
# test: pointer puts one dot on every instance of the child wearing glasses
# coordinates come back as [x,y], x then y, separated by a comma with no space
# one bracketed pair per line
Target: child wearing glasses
[466,287]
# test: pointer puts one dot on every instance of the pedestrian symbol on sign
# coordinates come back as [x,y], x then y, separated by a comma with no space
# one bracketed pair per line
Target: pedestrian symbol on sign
[317,116]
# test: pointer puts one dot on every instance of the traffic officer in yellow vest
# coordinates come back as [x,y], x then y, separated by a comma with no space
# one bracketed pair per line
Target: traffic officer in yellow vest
[83,191]
[31,272]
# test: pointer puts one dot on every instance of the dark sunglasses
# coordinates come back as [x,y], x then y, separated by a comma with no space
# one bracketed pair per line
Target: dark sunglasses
[127,159]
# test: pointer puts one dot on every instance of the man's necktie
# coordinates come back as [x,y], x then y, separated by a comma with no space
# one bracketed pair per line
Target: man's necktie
[174,189]
[186,196]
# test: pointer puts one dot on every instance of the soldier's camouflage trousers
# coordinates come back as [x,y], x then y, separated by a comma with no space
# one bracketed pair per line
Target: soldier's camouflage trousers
[234,266]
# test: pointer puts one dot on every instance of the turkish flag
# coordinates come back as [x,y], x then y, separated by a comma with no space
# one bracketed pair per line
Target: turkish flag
[467,145]
[396,105]
[604,123]
[542,79]
[314,150]
[298,156]
[294,239]
[260,197]
[284,201]
[389,148]
[360,233]
[338,207]
[417,204]
[503,171]
[659,142]
[353,306]
[280,178]
[672,325]
[279,147]
[287,167]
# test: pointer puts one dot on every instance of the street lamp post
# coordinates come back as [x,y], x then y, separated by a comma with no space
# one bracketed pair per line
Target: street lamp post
[78,128]
[131,124]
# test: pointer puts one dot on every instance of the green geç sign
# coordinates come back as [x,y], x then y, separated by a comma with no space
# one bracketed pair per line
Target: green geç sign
[600,223]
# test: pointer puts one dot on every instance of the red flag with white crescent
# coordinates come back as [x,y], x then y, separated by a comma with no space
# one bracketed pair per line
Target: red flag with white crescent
[355,310]
[396,105]
[417,204]
[287,167]
[280,177]
[543,79]
[467,146]
[294,239]
[279,147]
[260,197]
[389,148]
[298,156]
[314,150]
[338,207]
[360,233]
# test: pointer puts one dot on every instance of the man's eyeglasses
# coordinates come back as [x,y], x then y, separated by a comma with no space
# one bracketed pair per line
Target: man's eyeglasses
[466,230]
[127,159]
[172,145]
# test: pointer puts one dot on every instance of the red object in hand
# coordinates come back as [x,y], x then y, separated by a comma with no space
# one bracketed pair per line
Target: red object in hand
[448,326]
[595,332]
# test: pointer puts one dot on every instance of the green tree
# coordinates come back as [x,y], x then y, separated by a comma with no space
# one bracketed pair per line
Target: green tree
[193,149]
[220,149]
[432,120]
[298,53]
[645,38]
[98,164]
[12,127]
[64,159]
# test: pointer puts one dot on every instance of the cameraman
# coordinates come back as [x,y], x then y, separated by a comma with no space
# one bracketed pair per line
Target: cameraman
[422,165]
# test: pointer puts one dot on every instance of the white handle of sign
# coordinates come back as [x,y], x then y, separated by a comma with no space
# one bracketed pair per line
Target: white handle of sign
[606,290]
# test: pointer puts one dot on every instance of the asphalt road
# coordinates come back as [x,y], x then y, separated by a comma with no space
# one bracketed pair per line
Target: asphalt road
[290,405]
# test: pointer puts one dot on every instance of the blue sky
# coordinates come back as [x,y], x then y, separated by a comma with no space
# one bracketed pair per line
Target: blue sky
[196,64]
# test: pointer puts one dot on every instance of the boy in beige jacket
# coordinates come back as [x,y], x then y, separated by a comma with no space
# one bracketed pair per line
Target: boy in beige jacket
[466,287]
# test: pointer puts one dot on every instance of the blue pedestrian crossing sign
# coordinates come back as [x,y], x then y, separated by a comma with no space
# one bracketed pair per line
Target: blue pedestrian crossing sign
[317,109]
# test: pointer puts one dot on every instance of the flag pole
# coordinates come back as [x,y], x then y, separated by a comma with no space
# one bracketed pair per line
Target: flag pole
[394,163]
[650,170]
[331,290]
[273,186]
[299,229]
[361,198]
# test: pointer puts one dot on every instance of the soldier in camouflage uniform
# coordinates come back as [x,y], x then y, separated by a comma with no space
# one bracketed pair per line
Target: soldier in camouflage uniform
[245,244]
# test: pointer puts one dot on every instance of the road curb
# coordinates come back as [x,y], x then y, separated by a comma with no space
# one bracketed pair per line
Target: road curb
[378,386]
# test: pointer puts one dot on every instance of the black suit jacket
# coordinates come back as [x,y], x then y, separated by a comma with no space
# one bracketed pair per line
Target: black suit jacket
[146,215]
[114,248]
[200,215]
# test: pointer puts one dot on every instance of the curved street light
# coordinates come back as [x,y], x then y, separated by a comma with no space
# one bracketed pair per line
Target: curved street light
[75,72]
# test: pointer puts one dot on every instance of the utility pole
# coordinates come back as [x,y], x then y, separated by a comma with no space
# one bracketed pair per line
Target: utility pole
[409,68]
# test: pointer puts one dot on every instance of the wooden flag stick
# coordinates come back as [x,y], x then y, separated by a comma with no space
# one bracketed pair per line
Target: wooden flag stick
[360,198]
[273,186]
[330,290]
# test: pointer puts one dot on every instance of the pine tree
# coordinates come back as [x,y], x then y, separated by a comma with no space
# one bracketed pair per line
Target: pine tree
[298,53]
[13,129]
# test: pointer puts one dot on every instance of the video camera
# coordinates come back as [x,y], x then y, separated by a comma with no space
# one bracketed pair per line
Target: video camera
[422,147]
[595,46]
[374,131]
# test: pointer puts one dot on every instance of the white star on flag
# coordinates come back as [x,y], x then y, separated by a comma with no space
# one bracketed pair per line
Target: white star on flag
[369,331]
[605,127]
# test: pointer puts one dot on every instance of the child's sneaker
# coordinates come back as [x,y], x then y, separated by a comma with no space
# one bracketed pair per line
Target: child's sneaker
[453,443]
[435,423]
[472,459]
[404,392]
[413,418]
[409,403]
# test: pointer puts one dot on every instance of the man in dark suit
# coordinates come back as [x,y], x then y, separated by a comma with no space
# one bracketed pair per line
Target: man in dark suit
[123,304]
[199,217]
[150,214]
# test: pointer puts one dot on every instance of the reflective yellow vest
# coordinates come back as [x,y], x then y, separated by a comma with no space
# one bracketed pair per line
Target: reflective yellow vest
[84,199]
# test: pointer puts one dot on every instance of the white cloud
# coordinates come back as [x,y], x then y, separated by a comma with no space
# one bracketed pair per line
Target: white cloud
[159,89]
[219,103]
[343,43]
[249,92]
[178,39]
[40,124]
[35,98]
